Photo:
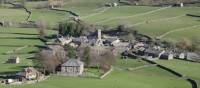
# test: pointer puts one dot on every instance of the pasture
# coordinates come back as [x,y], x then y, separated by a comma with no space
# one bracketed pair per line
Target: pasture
[142,78]
[14,38]
[152,21]
[189,69]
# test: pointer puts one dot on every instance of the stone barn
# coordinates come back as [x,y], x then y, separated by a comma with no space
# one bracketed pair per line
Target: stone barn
[73,67]
[13,60]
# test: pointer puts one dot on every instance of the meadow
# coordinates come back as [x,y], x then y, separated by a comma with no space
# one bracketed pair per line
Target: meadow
[14,38]
[150,20]
[189,69]
[142,78]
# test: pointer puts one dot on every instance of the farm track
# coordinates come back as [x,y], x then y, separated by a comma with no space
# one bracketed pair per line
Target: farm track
[135,68]
[157,20]
[18,49]
[97,13]
[141,14]
[176,30]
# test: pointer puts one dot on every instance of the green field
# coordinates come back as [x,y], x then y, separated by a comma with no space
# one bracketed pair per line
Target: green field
[13,38]
[189,69]
[142,78]
[153,21]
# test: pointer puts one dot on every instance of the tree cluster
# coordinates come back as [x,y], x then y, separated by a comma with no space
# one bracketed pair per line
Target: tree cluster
[51,58]
[189,45]
[71,28]
[94,57]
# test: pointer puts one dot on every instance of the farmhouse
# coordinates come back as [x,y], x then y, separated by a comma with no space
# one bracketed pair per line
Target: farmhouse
[79,40]
[111,4]
[181,4]
[112,41]
[182,56]
[55,3]
[29,73]
[73,67]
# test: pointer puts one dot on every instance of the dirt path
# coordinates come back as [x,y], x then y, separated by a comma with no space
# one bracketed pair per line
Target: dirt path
[162,19]
[134,68]
[94,14]
[17,49]
[176,30]
[141,14]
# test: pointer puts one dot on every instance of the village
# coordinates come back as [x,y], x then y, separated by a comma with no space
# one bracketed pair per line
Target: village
[143,47]
[79,49]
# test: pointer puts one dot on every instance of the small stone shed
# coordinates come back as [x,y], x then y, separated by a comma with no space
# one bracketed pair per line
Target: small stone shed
[13,60]
[73,67]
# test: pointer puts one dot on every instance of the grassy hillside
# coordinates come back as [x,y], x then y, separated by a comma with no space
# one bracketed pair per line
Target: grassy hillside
[189,69]
[153,21]
[14,38]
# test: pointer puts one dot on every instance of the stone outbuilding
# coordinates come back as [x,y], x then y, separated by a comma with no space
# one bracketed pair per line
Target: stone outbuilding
[13,60]
[73,67]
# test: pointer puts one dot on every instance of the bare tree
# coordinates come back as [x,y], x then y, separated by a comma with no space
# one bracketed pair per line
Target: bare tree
[48,60]
[184,44]
[51,58]
[42,26]
[107,60]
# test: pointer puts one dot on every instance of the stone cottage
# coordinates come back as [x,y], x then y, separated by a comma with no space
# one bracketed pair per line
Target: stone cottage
[167,56]
[182,56]
[64,41]
[73,67]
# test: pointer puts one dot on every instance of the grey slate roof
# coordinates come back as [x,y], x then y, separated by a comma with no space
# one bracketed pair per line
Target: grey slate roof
[191,56]
[73,63]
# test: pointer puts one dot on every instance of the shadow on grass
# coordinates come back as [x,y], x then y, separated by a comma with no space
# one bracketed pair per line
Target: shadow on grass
[17,33]
[31,38]
[8,74]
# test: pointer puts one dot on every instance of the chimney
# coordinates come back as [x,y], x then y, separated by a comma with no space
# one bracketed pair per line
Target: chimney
[99,34]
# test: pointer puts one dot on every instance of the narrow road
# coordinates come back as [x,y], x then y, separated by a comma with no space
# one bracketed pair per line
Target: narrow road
[94,14]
